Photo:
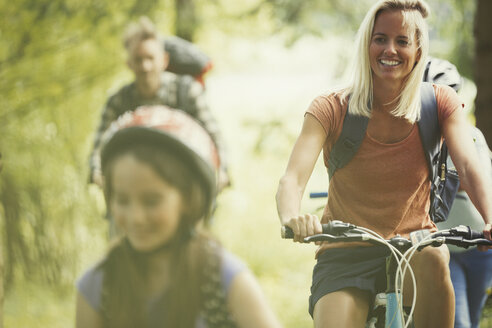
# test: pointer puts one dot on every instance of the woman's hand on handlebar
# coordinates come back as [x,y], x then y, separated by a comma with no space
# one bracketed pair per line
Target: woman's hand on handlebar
[304,226]
[487,232]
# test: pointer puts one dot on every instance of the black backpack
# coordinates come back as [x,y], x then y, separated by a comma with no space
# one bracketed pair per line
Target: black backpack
[190,64]
[445,182]
[185,58]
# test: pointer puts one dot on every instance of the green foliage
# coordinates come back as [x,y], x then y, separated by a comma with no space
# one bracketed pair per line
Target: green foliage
[295,19]
[39,306]
[58,58]
[268,135]
[451,23]
[56,61]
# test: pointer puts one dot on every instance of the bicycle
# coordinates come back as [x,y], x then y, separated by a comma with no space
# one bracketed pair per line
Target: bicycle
[390,302]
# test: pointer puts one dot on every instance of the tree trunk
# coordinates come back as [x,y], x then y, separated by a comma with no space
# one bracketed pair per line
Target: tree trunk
[186,19]
[16,249]
[1,284]
[1,263]
[483,68]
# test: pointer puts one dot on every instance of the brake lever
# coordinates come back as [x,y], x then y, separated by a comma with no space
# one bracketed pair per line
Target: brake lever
[319,237]
[432,242]
[344,237]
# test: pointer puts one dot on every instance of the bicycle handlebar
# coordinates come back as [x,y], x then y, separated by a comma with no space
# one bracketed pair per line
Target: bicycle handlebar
[333,227]
[461,230]
[338,231]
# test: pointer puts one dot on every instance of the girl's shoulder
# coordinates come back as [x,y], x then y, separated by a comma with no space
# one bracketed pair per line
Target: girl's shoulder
[230,268]
[89,284]
[224,263]
[221,268]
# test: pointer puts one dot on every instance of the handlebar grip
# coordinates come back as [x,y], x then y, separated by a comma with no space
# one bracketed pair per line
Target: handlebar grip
[476,234]
[334,227]
[286,232]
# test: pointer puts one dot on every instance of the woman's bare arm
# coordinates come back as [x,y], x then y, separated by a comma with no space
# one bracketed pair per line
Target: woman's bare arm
[473,176]
[292,184]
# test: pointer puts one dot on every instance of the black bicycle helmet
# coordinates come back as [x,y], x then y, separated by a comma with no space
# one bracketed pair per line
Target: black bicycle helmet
[169,129]
[440,71]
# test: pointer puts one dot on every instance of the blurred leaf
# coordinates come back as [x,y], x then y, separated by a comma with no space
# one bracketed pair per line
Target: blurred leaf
[57,60]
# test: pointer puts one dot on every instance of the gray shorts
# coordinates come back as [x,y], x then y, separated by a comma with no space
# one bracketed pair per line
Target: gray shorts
[339,268]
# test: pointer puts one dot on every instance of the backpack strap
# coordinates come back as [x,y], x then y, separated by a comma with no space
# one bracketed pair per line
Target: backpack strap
[354,130]
[183,89]
[429,130]
[426,71]
[215,310]
[348,143]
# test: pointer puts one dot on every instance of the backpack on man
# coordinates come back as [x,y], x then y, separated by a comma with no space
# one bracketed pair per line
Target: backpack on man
[187,61]
[185,58]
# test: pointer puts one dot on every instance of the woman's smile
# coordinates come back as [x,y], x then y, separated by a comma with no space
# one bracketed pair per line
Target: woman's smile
[390,63]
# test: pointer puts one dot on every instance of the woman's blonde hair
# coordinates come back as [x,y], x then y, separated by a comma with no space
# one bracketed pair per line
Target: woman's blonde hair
[361,83]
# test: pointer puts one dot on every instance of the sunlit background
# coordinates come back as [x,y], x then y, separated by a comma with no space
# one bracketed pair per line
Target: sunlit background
[60,59]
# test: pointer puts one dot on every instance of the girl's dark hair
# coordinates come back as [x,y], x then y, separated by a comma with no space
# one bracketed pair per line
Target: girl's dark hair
[125,270]
[124,304]
[171,168]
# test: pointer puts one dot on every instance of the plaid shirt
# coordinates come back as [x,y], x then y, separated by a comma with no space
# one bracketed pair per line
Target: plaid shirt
[175,91]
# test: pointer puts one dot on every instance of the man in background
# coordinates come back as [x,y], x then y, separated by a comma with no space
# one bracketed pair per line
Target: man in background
[148,61]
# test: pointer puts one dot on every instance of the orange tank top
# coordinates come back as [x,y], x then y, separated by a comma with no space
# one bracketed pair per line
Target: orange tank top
[385,187]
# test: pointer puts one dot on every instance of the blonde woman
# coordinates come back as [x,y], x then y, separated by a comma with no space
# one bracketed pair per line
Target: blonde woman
[386,185]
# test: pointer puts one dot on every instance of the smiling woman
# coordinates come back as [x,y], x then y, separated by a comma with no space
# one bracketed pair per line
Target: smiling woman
[386,186]
[393,49]
[409,27]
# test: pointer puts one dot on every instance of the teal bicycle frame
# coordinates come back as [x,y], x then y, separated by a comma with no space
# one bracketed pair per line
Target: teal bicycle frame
[394,316]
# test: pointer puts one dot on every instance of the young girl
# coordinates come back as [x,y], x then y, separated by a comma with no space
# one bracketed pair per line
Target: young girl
[159,168]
